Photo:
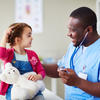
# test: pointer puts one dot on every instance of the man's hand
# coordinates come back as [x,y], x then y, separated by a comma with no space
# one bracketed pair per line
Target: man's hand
[69,77]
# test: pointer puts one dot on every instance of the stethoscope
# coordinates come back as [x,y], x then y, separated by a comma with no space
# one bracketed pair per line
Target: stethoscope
[75,51]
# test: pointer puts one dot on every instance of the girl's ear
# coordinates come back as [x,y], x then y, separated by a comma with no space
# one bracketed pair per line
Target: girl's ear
[17,40]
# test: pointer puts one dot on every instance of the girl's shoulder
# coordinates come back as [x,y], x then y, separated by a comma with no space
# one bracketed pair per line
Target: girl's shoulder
[30,52]
[7,49]
[32,55]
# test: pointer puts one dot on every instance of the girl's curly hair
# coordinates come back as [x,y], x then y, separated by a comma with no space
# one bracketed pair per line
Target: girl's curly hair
[17,30]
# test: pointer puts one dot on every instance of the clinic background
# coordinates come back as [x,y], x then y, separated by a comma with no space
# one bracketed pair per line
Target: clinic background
[53,41]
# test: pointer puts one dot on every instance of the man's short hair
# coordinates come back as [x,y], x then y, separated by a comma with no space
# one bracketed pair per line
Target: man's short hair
[86,16]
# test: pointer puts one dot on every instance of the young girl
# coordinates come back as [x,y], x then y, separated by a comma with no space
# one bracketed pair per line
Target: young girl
[19,37]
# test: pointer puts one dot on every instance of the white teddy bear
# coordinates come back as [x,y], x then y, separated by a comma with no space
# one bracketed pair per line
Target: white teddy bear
[22,87]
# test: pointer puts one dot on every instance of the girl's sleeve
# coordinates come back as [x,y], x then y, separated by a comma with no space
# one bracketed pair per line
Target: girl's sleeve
[40,69]
[3,53]
[38,66]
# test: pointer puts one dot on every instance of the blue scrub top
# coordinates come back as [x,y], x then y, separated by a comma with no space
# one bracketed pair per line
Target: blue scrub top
[87,62]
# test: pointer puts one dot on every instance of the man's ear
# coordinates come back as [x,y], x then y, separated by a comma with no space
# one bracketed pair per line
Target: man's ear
[90,29]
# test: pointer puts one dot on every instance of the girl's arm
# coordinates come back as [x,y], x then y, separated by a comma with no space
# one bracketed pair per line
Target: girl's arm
[4,40]
[3,51]
[38,66]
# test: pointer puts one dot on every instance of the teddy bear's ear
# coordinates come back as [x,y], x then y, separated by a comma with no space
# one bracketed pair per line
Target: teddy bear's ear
[8,65]
[3,77]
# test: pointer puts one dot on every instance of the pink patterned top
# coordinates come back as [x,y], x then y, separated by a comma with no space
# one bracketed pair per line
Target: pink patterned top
[7,55]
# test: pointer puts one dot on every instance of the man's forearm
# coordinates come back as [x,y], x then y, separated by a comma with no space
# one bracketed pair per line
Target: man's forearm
[89,87]
[51,70]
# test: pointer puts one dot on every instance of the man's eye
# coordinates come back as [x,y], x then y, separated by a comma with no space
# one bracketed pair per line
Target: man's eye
[29,35]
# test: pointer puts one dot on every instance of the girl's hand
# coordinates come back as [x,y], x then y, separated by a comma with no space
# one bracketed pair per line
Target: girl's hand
[7,33]
[35,77]
[4,40]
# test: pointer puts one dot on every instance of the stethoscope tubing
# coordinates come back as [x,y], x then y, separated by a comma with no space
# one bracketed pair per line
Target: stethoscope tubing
[75,51]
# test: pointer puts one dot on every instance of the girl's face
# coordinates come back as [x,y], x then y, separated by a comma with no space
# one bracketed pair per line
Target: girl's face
[26,39]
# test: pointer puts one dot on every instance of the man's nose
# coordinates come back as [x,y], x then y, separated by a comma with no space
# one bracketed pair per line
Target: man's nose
[31,38]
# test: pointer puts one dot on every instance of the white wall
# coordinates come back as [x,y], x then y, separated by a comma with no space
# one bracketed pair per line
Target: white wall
[52,42]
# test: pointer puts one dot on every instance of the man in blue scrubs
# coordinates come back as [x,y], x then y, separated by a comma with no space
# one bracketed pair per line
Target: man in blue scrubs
[79,69]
